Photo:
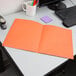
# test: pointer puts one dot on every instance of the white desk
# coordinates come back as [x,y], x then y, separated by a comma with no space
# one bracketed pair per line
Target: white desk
[34,64]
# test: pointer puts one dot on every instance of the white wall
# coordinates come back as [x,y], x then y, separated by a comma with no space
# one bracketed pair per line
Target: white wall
[10,6]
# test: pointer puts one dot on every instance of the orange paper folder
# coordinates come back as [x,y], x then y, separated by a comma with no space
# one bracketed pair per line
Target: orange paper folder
[33,36]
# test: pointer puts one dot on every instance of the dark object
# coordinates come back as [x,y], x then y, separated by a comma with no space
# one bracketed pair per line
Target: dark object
[10,68]
[68,22]
[52,4]
[2,69]
[68,16]
[47,2]
[68,68]
[2,23]
[57,6]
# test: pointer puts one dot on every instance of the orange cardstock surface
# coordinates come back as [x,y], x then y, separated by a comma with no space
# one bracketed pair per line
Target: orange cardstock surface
[33,36]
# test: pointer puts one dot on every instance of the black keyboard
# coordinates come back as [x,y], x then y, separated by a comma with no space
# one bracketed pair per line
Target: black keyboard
[68,15]
[67,12]
[69,21]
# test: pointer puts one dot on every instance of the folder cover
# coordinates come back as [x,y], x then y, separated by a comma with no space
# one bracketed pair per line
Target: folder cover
[33,36]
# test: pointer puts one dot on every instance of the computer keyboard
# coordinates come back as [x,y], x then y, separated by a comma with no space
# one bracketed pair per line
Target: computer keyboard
[68,16]
[69,21]
[67,12]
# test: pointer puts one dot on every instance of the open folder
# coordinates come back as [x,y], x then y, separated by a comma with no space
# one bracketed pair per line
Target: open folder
[33,36]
